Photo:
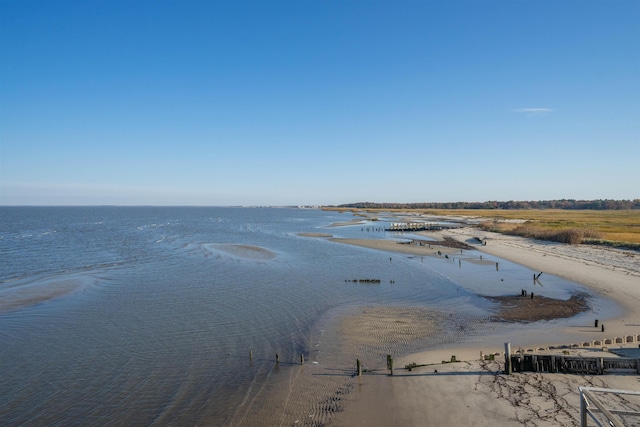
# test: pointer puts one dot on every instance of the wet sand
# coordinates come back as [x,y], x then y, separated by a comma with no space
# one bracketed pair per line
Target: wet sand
[314,235]
[532,309]
[427,249]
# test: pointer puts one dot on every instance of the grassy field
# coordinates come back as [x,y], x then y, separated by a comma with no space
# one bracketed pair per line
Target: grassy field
[614,227]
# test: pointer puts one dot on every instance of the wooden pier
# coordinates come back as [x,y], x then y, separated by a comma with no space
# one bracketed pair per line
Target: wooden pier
[573,365]
[417,226]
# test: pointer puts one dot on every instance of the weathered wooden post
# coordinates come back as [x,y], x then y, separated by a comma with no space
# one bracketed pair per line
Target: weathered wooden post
[602,327]
[497,267]
[531,295]
[507,358]
[390,363]
[302,359]
[596,324]
[250,354]
[277,358]
[358,367]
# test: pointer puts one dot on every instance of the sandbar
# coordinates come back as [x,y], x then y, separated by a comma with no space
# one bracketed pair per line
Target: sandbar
[21,295]
[347,223]
[314,235]
[243,251]
[521,308]
[430,249]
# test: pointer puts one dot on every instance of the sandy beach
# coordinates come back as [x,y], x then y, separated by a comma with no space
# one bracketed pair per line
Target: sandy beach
[476,392]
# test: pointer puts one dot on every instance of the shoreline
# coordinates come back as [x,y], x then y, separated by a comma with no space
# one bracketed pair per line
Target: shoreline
[611,273]
[474,392]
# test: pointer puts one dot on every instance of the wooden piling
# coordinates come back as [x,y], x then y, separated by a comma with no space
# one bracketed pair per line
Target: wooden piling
[277,358]
[302,359]
[507,358]
[497,267]
[358,367]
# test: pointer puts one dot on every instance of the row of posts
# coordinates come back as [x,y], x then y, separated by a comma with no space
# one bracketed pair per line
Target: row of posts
[507,356]
[358,363]
[277,357]
[389,365]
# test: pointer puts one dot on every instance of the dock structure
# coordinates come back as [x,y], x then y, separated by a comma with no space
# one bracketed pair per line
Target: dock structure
[416,226]
[573,365]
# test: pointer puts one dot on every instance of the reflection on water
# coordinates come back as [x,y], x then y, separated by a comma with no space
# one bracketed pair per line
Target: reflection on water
[141,316]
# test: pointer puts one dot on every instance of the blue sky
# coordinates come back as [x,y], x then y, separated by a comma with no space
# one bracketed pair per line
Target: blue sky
[317,102]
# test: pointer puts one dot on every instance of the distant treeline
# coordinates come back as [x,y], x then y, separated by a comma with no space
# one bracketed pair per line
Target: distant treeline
[568,204]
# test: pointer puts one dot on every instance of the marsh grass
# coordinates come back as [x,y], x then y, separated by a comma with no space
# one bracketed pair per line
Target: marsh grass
[614,227]
[611,228]
[618,228]
[572,235]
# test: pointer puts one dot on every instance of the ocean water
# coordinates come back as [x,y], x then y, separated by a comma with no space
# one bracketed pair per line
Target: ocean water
[147,315]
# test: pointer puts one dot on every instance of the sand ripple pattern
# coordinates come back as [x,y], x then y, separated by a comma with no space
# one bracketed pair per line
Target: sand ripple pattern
[388,330]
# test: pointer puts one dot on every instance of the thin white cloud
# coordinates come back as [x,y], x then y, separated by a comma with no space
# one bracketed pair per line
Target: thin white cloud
[535,110]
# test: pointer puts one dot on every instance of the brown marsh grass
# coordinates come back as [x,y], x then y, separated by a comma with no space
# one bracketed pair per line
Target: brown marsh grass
[609,227]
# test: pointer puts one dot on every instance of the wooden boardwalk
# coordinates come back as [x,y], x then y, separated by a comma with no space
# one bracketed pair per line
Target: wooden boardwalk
[417,226]
[573,364]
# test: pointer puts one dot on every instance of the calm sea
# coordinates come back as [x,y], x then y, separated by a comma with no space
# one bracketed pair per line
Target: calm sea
[158,319]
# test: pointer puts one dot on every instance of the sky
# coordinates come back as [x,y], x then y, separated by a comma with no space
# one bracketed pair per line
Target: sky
[307,102]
